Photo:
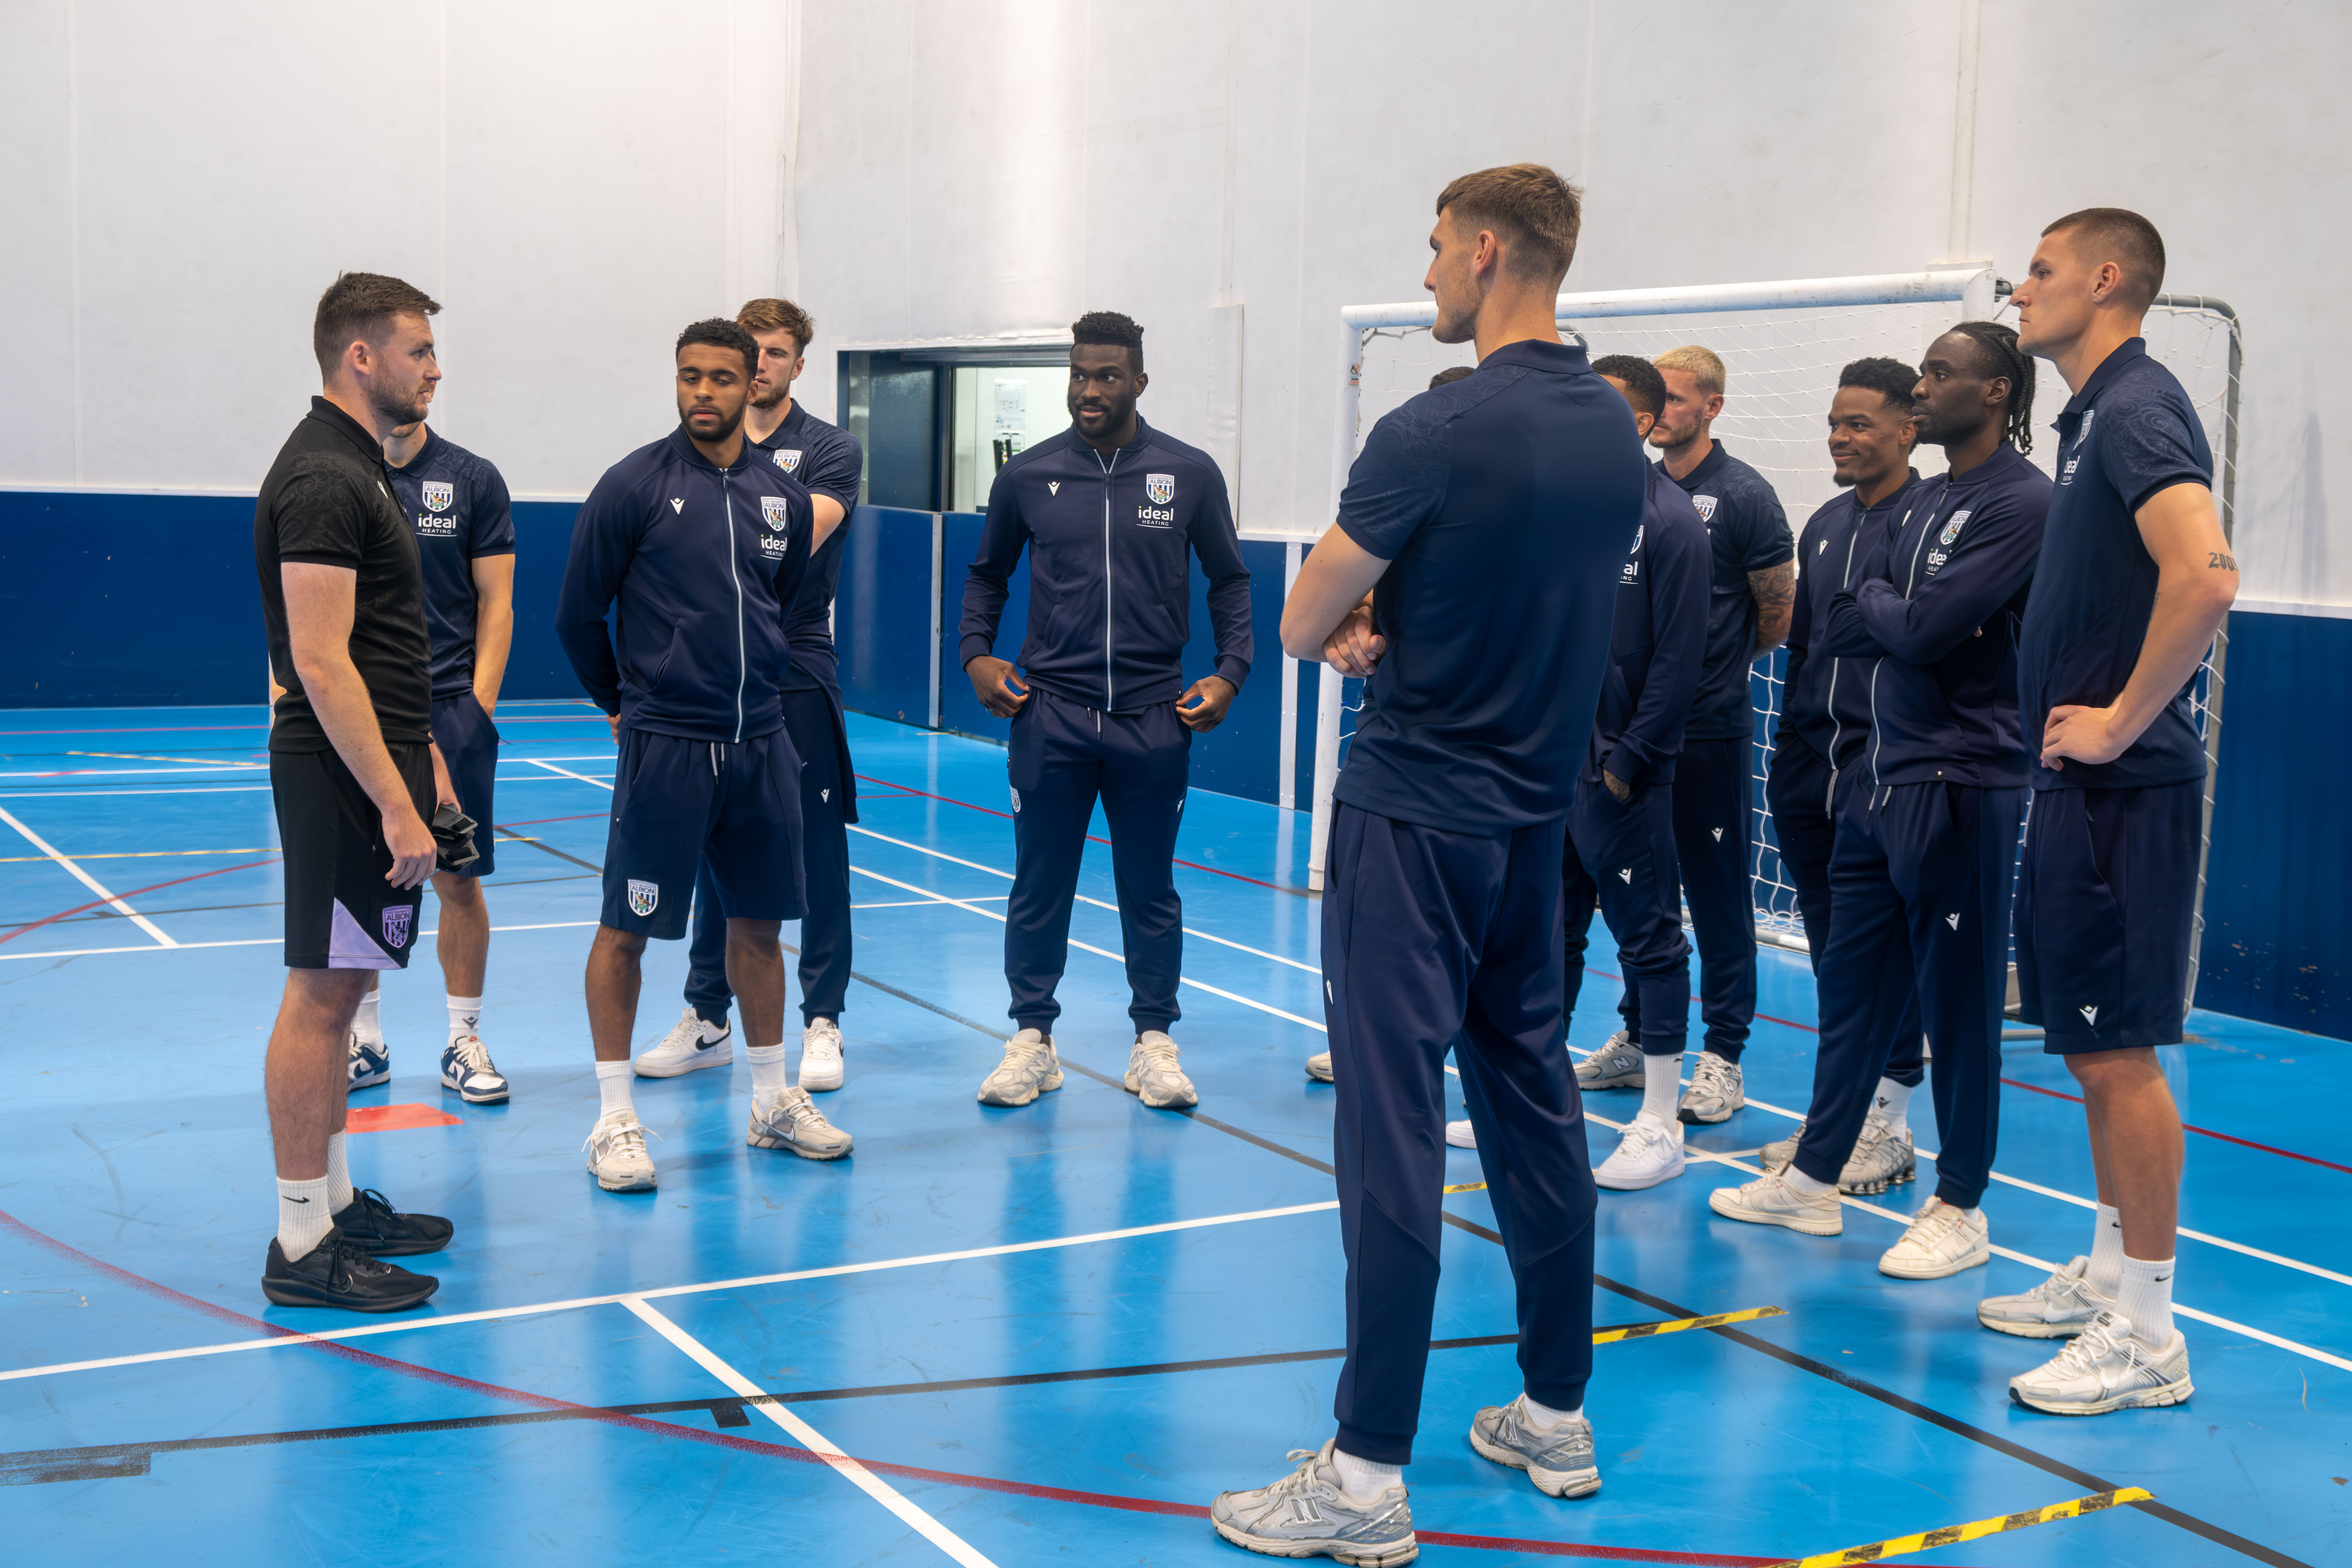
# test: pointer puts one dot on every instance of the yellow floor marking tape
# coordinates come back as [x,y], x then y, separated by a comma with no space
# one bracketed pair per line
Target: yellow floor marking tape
[1456,1187]
[1953,1533]
[1675,1326]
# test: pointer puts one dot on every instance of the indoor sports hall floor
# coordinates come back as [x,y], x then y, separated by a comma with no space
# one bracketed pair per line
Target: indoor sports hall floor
[1046,1335]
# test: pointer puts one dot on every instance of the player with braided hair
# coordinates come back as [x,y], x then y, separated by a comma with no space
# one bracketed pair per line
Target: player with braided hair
[2000,357]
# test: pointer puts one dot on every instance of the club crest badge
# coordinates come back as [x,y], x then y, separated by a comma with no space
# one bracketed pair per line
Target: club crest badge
[1159,488]
[643,898]
[439,496]
[1952,529]
[775,512]
[1706,505]
[788,460]
[396,926]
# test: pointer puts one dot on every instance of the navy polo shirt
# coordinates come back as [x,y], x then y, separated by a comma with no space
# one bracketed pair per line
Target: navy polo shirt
[2129,433]
[457,505]
[1506,504]
[828,461]
[1747,532]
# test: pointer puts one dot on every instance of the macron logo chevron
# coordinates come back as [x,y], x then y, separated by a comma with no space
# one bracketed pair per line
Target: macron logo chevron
[677,505]
[1626,876]
[1953,922]
[2090,1017]
[1053,487]
[1718,835]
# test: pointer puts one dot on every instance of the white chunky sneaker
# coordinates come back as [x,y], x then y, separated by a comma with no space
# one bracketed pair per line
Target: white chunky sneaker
[2058,1309]
[1308,1513]
[1649,1153]
[1461,1134]
[1319,1067]
[792,1120]
[1616,1065]
[1775,1156]
[465,1068]
[616,1154]
[1942,1241]
[2107,1369]
[1882,1158]
[821,1056]
[1558,1459]
[1029,1070]
[1153,1076]
[369,1062]
[1714,1092]
[1770,1200]
[690,1045]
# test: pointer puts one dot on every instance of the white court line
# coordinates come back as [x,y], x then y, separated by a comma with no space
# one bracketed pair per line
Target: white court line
[926,904]
[809,1437]
[87,880]
[495,1314]
[605,785]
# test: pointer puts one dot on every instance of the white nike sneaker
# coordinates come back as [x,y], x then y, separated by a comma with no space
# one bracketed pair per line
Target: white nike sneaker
[1029,1070]
[2107,1369]
[1616,1065]
[1770,1200]
[1319,1067]
[1649,1153]
[792,1120]
[616,1154]
[2058,1309]
[465,1068]
[690,1045]
[1714,1093]
[1942,1241]
[367,1062]
[1461,1134]
[821,1056]
[1775,1156]
[1153,1076]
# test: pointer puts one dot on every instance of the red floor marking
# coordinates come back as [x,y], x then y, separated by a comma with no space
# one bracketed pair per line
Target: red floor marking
[396,1118]
[2200,1132]
[134,893]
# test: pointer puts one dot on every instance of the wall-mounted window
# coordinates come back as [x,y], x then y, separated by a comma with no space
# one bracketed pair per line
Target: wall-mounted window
[937,423]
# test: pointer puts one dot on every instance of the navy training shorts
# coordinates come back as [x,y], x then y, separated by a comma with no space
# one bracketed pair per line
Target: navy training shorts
[676,800]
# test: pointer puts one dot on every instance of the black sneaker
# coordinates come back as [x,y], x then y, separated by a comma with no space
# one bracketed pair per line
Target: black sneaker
[336,1273]
[374,1227]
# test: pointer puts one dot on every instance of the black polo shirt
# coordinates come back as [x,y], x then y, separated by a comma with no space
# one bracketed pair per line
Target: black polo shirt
[329,500]
[1747,532]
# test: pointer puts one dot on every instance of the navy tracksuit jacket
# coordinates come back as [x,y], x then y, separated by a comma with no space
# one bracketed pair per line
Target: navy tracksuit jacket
[1110,538]
[1923,867]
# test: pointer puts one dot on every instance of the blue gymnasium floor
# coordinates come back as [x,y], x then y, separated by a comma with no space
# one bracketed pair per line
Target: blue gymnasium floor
[1047,1335]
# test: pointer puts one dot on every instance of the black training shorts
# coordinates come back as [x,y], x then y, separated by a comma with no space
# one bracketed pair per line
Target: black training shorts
[340,913]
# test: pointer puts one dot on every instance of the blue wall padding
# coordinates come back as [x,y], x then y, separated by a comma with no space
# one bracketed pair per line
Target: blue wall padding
[882,615]
[960,710]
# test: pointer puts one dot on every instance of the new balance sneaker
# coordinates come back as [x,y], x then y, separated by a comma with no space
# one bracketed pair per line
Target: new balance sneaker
[1558,1459]
[1882,1158]
[370,1222]
[1153,1074]
[1029,1069]
[616,1154]
[465,1068]
[1461,1134]
[1650,1152]
[821,1056]
[338,1273]
[2105,1369]
[792,1120]
[1775,1156]
[1307,1514]
[1942,1241]
[1770,1200]
[690,1044]
[1319,1067]
[1714,1092]
[1616,1065]
[2058,1309]
[369,1061]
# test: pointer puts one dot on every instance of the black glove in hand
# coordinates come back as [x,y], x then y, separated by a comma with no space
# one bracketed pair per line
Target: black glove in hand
[453,835]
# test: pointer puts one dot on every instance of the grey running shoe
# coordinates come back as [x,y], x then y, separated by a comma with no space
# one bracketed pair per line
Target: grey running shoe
[1714,1092]
[1307,1514]
[1882,1158]
[1559,1461]
[1616,1065]
[1775,1156]
[2058,1309]
[1153,1076]
[1319,1067]
[2104,1370]
[1029,1070]
[616,1154]
[792,1120]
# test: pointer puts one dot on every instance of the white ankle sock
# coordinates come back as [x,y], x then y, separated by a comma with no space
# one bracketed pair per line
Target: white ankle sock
[303,1217]
[1895,1103]
[2106,1270]
[339,1176]
[1361,1478]
[1800,1183]
[2145,1298]
[464,1016]
[368,1022]
[771,1073]
[1543,1417]
[1661,1085]
[613,1085]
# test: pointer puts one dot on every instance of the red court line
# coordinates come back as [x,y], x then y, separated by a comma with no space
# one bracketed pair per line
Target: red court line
[100,903]
[396,1118]
[2200,1132]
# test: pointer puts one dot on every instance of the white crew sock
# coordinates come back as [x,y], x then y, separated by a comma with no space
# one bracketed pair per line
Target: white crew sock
[1798,1182]
[1543,1417]
[303,1218]
[1895,1103]
[772,1072]
[2106,1270]
[339,1176]
[368,1022]
[1363,1478]
[613,1085]
[464,1016]
[1662,1087]
[2145,1299]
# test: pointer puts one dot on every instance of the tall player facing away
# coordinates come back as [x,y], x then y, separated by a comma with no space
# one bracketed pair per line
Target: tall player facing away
[1748,614]
[1825,723]
[1926,861]
[354,774]
[1491,520]
[703,543]
[829,462]
[1109,511]
[2134,580]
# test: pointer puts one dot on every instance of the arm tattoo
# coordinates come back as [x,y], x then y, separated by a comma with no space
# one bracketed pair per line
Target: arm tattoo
[1775,590]
[2221,560]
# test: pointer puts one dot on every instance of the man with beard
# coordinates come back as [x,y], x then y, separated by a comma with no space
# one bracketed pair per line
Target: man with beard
[1109,511]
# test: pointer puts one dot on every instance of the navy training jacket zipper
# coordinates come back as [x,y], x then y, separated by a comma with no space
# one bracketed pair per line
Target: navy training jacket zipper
[1110,691]
[1877,735]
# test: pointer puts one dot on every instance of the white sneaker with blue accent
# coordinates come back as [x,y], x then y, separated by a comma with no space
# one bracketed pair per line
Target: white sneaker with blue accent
[465,1068]
[368,1061]
[1308,1514]
[690,1045]
[1558,1459]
